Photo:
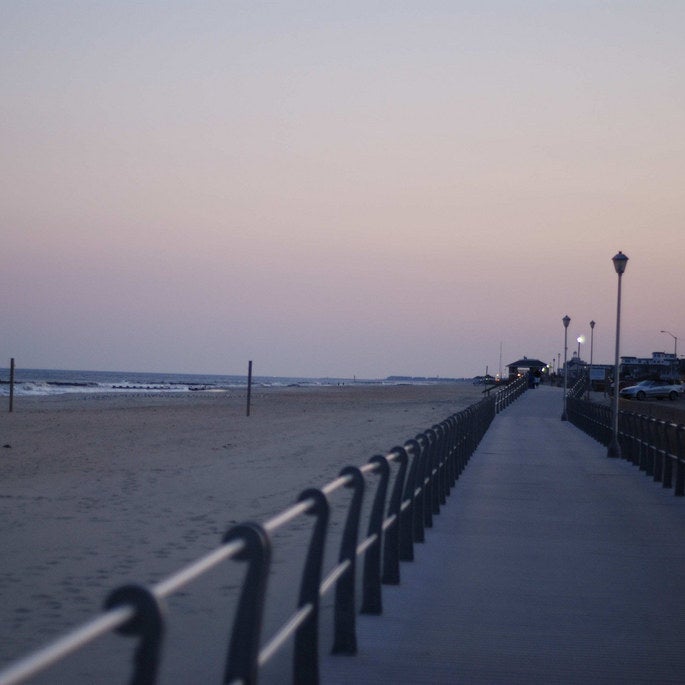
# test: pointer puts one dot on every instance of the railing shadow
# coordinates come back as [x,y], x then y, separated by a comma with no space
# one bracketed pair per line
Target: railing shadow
[410,484]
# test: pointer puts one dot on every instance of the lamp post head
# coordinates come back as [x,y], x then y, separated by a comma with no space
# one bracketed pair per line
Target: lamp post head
[592,324]
[620,261]
[566,320]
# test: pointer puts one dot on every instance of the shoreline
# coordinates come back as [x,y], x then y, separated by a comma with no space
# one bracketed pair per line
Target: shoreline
[99,490]
[47,382]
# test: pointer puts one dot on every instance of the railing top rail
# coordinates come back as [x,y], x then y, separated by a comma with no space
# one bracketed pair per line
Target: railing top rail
[287,515]
[339,482]
[197,568]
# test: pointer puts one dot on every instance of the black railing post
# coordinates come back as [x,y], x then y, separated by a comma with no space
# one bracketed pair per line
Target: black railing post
[445,436]
[451,452]
[306,656]
[669,455]
[463,439]
[147,623]
[440,494]
[458,445]
[471,431]
[680,461]
[397,540]
[433,471]
[659,453]
[344,629]
[426,482]
[644,442]
[408,506]
[633,443]
[371,596]
[639,441]
[639,458]
[651,449]
[414,491]
[242,660]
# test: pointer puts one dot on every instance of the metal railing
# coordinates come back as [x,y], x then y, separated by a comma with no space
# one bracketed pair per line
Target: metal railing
[655,446]
[425,469]
[578,388]
[509,392]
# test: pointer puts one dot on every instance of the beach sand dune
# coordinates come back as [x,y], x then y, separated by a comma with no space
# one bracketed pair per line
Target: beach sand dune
[97,491]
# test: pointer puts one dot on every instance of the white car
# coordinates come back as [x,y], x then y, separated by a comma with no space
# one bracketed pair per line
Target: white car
[657,389]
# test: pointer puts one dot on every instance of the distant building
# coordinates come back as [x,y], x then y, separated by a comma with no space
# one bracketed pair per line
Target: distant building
[576,367]
[523,365]
[659,365]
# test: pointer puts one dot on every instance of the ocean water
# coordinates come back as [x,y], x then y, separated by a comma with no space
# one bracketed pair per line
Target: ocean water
[29,382]
[55,382]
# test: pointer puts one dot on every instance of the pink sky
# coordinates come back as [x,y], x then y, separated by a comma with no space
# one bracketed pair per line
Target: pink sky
[338,188]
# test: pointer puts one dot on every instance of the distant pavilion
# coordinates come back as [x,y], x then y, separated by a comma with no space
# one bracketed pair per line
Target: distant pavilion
[535,366]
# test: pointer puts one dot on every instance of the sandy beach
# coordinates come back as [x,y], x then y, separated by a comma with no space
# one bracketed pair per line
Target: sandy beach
[100,490]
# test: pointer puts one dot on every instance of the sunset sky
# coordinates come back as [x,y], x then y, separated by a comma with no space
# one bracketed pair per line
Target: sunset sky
[338,188]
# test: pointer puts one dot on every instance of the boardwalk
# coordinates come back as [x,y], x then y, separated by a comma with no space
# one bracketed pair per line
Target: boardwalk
[549,564]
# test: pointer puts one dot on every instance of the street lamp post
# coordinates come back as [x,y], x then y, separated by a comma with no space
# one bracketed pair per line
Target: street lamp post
[566,321]
[614,449]
[592,344]
[675,350]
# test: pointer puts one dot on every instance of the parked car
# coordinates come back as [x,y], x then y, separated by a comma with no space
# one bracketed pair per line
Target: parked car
[657,389]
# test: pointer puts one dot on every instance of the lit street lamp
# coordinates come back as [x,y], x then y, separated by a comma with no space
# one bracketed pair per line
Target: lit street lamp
[566,321]
[675,349]
[580,339]
[614,449]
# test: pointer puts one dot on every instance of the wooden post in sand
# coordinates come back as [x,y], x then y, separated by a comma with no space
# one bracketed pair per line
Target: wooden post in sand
[249,386]
[12,384]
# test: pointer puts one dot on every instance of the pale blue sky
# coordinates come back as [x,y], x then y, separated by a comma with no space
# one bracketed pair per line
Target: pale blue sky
[337,188]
